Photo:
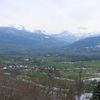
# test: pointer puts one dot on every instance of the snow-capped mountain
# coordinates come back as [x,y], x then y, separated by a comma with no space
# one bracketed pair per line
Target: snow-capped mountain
[92,42]
[13,40]
[66,36]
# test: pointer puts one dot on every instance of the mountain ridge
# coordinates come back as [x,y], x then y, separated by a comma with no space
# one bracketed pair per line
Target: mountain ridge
[14,40]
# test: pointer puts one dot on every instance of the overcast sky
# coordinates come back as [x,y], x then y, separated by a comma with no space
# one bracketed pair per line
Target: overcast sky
[53,16]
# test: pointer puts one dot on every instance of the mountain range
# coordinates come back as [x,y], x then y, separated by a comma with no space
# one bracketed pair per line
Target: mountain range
[20,41]
[15,41]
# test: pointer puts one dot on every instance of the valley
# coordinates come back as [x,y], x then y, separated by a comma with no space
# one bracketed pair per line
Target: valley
[56,76]
[34,65]
[49,50]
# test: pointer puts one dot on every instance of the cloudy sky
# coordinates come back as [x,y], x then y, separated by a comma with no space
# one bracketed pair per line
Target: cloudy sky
[53,16]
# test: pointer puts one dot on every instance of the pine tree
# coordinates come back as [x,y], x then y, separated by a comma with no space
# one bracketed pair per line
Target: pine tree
[96,92]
